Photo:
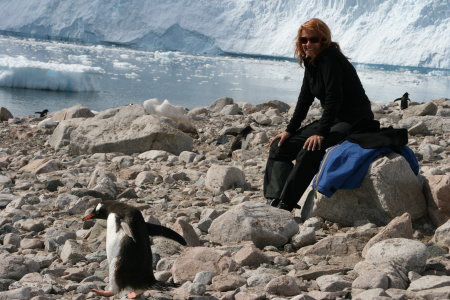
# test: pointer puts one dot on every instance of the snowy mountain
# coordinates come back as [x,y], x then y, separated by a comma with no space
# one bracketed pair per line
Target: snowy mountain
[393,32]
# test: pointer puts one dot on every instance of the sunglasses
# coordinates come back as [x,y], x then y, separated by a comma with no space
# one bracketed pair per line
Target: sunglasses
[312,40]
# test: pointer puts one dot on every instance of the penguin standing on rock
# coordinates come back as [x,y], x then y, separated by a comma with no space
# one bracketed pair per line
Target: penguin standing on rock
[403,101]
[128,248]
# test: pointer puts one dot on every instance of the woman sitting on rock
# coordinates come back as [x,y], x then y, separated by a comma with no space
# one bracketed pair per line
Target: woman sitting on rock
[331,78]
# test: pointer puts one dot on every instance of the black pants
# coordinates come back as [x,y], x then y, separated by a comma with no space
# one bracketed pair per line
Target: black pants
[283,180]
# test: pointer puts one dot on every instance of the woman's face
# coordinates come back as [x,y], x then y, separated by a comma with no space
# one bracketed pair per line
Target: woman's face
[311,43]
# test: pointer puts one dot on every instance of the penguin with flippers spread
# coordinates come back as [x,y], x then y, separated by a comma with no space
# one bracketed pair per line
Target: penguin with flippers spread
[128,248]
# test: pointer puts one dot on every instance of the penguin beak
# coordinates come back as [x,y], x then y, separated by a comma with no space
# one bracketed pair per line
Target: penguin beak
[88,217]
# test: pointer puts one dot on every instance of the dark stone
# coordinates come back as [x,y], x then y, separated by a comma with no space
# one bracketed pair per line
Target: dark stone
[52,185]
[128,193]
[4,284]
[86,192]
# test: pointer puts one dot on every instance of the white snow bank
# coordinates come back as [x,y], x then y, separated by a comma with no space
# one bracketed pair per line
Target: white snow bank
[19,72]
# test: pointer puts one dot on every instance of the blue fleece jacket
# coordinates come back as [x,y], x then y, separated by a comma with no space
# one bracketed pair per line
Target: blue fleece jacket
[345,165]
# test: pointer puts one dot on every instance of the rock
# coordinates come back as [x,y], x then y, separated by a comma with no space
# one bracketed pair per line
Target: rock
[16,294]
[145,177]
[47,123]
[408,253]
[426,109]
[77,111]
[5,114]
[126,129]
[397,274]
[187,156]
[12,239]
[260,280]
[429,282]
[15,266]
[61,135]
[437,293]
[284,286]
[250,256]
[280,105]
[220,103]
[371,280]
[204,277]
[399,227]
[154,155]
[31,244]
[40,166]
[419,128]
[227,282]
[389,189]
[305,237]
[262,224]
[73,252]
[372,294]
[261,119]
[220,178]
[186,231]
[434,124]
[30,225]
[194,260]
[332,283]
[204,224]
[437,192]
[196,288]
[442,235]
[231,109]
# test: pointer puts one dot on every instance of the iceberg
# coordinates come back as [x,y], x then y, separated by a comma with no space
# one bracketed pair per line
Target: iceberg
[20,72]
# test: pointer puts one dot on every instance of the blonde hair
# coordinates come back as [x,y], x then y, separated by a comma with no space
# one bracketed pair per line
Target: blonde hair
[318,27]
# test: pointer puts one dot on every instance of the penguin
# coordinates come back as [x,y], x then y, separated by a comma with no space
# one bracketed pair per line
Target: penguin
[403,101]
[128,248]
[42,113]
[237,140]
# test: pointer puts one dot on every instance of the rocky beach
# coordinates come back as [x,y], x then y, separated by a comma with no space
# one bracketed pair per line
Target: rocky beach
[195,171]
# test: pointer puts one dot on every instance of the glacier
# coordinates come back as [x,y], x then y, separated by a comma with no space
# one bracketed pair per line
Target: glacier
[388,32]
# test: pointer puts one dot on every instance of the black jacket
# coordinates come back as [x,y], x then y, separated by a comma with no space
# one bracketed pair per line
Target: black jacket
[333,80]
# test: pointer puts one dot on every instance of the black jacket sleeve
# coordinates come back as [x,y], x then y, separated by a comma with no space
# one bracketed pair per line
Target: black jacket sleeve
[305,99]
[332,76]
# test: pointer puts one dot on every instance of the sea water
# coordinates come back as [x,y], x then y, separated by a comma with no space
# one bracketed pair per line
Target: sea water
[37,75]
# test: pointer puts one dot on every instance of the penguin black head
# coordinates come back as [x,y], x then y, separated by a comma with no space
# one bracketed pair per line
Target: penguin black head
[99,212]
[405,94]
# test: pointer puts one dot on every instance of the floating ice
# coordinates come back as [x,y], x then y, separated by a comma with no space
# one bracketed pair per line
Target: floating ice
[20,72]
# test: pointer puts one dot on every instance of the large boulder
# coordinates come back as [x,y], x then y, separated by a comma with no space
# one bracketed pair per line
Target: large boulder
[124,129]
[220,178]
[426,109]
[257,222]
[389,189]
[434,124]
[77,111]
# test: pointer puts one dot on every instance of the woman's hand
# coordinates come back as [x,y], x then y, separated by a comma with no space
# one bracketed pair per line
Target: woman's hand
[314,142]
[282,136]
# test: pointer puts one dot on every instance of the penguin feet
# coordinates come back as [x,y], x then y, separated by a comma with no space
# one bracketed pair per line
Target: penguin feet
[103,293]
[133,295]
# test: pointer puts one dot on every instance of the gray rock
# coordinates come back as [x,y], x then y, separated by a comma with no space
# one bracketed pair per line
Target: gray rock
[372,294]
[250,256]
[145,177]
[227,282]
[73,252]
[231,109]
[220,178]
[435,125]
[277,104]
[220,103]
[185,230]
[419,128]
[399,227]
[30,225]
[332,283]
[284,286]
[77,111]
[15,266]
[442,235]
[204,277]
[260,279]
[410,254]
[429,282]
[187,156]
[305,237]
[31,244]
[126,129]
[397,274]
[262,224]
[443,112]
[261,119]
[426,109]
[5,114]
[204,224]
[12,239]
[389,189]
[196,288]
[154,155]
[371,280]
[17,294]
[432,294]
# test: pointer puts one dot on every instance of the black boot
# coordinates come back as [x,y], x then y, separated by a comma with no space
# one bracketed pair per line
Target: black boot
[273,202]
[288,207]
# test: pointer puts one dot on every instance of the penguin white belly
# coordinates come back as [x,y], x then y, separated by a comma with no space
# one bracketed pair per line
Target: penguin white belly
[114,238]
